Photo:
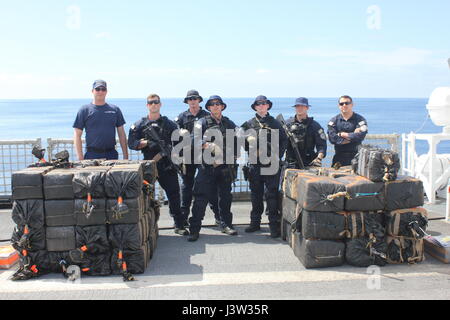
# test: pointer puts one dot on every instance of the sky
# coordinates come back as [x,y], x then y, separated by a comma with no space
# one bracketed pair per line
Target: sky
[234,48]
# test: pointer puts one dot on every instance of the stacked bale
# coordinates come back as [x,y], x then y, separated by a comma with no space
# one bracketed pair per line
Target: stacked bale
[98,215]
[379,220]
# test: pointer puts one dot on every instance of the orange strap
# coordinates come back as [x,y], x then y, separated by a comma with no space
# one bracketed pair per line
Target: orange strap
[34,269]
[120,254]
[26,230]
[89,197]
[24,253]
[120,200]
[124,266]
[146,182]
[85,269]
[84,248]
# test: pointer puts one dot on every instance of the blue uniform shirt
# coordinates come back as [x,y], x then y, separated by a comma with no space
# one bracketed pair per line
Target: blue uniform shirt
[339,124]
[186,120]
[100,123]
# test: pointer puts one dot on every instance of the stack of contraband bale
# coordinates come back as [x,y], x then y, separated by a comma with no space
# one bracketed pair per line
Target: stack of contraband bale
[101,216]
[362,214]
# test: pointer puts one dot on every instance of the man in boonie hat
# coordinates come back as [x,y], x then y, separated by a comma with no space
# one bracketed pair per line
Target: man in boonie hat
[186,121]
[309,136]
[214,181]
[264,185]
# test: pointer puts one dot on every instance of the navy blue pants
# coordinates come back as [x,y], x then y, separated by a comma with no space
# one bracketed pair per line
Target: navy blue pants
[111,155]
[264,186]
[186,193]
[168,180]
[211,184]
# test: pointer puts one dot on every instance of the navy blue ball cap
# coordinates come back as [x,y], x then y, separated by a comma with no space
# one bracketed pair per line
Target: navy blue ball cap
[99,83]
[301,102]
[215,97]
[192,94]
[261,98]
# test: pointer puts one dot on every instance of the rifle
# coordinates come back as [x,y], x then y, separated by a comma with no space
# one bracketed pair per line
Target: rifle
[152,135]
[291,138]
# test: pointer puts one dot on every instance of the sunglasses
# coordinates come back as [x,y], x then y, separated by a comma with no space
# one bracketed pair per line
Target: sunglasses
[153,102]
[260,103]
[215,104]
[192,98]
[100,89]
[344,103]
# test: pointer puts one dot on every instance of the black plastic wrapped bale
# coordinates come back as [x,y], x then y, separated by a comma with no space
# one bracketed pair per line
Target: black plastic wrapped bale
[410,223]
[376,164]
[96,264]
[28,238]
[363,194]
[125,181]
[92,239]
[58,184]
[290,210]
[365,223]
[90,163]
[41,261]
[59,213]
[404,250]
[29,212]
[28,183]
[318,253]
[405,192]
[125,236]
[89,184]
[364,252]
[290,182]
[128,211]
[323,225]
[60,238]
[90,213]
[334,173]
[135,261]
[319,193]
[59,261]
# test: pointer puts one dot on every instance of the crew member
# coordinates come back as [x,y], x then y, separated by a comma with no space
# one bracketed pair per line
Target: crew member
[310,138]
[346,131]
[139,138]
[101,120]
[264,185]
[186,121]
[214,181]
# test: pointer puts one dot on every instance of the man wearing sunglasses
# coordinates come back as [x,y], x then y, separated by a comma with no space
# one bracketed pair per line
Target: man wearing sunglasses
[264,185]
[101,120]
[186,121]
[138,139]
[213,180]
[346,131]
[308,134]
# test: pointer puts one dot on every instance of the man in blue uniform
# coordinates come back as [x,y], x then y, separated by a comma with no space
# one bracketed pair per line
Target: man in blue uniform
[264,185]
[100,119]
[214,181]
[139,139]
[346,131]
[186,120]
[309,136]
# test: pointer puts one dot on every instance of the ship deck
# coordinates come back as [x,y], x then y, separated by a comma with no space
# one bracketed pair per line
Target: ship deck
[246,266]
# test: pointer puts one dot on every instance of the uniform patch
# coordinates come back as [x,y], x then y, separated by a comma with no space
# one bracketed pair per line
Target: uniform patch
[331,123]
[176,119]
[362,123]
[363,128]
[133,127]
[322,134]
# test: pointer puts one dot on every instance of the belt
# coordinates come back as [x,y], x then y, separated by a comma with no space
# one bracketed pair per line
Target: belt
[99,150]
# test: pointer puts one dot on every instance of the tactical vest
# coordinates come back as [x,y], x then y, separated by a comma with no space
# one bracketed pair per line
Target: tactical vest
[303,140]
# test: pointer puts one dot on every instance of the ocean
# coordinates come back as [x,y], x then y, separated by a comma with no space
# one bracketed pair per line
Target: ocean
[53,118]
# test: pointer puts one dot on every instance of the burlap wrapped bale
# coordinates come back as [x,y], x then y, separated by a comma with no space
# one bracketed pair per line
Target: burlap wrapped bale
[59,213]
[365,223]
[28,183]
[319,193]
[405,192]
[404,250]
[376,164]
[410,223]
[363,194]
[290,178]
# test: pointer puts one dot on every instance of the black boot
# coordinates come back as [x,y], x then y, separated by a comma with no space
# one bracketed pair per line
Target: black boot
[193,236]
[275,232]
[252,228]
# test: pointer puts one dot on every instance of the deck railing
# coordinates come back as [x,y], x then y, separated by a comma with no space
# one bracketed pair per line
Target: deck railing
[16,155]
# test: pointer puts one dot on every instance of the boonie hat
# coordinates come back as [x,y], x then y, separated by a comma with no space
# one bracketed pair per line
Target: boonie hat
[261,98]
[215,97]
[301,102]
[99,83]
[192,94]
